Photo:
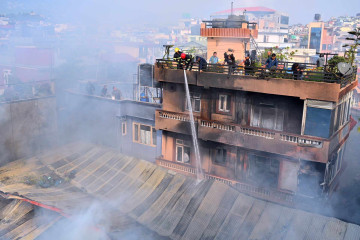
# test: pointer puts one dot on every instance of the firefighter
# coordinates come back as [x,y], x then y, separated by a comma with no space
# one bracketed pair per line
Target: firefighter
[187,61]
[177,58]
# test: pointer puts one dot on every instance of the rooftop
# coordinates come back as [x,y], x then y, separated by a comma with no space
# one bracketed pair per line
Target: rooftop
[169,204]
[279,82]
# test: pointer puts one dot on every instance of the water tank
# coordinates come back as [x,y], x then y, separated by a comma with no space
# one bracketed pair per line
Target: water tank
[146,74]
[218,23]
[358,14]
[317,17]
[234,21]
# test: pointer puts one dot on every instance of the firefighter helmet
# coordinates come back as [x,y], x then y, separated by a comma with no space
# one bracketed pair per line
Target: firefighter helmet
[183,56]
[177,49]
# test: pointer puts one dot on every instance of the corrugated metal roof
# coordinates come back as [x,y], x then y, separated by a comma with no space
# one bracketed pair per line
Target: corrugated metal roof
[169,204]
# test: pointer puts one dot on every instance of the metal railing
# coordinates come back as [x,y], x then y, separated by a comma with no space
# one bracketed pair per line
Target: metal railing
[11,92]
[283,71]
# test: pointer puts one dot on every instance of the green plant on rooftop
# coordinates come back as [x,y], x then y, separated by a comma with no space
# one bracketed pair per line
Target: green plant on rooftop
[282,54]
[355,38]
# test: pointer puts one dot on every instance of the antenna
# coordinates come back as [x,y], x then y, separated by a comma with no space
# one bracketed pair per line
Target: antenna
[232,8]
[345,68]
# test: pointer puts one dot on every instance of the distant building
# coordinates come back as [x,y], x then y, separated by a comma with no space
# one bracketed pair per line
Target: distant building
[320,37]
[273,26]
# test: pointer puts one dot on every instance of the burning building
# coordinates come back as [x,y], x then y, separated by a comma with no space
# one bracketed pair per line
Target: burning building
[262,132]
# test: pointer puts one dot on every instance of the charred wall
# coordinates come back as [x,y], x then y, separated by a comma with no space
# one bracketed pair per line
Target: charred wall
[27,127]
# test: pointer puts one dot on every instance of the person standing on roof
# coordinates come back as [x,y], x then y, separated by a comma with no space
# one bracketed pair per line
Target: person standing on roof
[214,59]
[187,61]
[202,63]
[320,62]
[103,91]
[177,58]
[247,64]
[272,63]
[229,59]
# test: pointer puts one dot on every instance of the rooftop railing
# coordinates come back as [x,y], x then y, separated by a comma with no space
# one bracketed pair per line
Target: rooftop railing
[309,72]
[226,23]
[10,92]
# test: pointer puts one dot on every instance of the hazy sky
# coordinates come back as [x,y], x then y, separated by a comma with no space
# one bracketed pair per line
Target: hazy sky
[119,12]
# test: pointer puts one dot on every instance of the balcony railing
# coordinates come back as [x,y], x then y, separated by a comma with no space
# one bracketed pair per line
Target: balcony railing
[301,140]
[176,166]
[257,132]
[174,116]
[225,127]
[283,72]
[268,134]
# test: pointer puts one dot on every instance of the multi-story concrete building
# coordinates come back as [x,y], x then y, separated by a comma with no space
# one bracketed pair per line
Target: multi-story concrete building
[273,26]
[273,138]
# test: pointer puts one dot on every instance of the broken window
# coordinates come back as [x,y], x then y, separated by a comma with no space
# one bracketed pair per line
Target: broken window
[267,116]
[182,151]
[220,156]
[263,171]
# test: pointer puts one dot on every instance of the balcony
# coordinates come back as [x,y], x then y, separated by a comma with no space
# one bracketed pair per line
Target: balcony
[295,146]
[173,122]
[317,85]
[273,195]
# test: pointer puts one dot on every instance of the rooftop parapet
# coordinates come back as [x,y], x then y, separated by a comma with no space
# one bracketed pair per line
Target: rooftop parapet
[233,27]
[315,84]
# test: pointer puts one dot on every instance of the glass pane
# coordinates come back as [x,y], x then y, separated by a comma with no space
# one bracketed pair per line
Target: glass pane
[186,154]
[228,102]
[154,136]
[318,122]
[145,134]
[179,153]
[136,132]
[196,105]
[221,104]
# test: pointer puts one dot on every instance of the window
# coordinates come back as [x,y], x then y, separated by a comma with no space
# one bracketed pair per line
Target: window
[263,171]
[335,164]
[220,156]
[224,103]
[182,151]
[144,134]
[195,99]
[317,122]
[324,47]
[123,128]
[267,116]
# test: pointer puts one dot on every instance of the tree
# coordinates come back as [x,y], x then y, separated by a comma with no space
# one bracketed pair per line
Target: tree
[351,53]
[282,54]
